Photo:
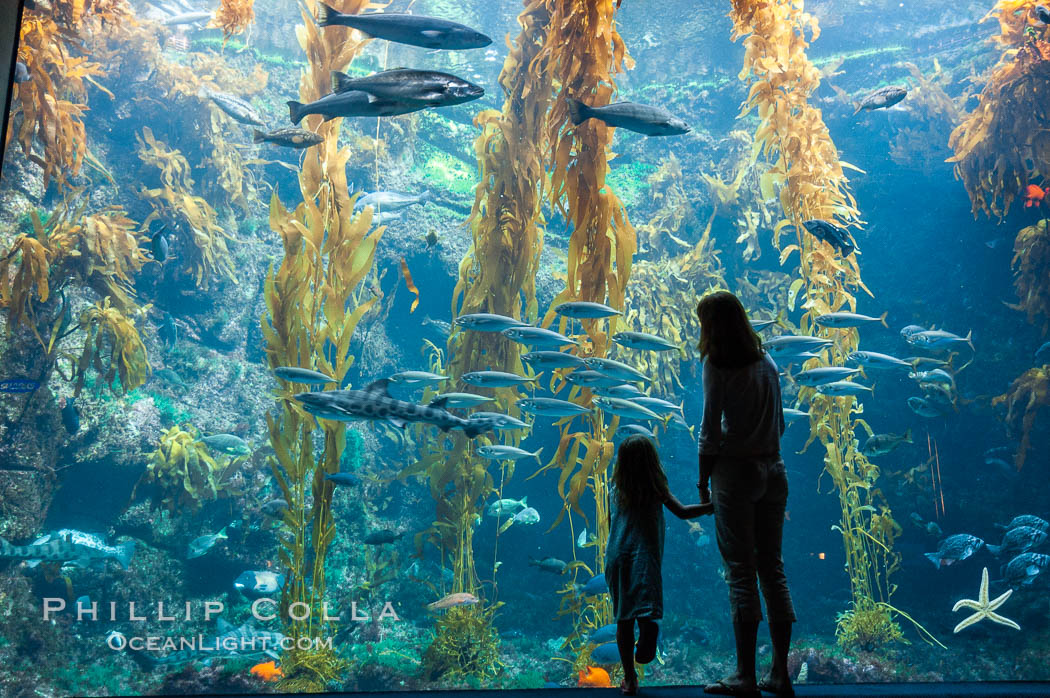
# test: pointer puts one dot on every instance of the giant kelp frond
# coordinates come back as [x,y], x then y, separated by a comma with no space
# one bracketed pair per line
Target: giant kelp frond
[203,250]
[233,17]
[807,171]
[1005,142]
[108,251]
[112,347]
[1029,393]
[183,470]
[31,277]
[1031,261]
[51,104]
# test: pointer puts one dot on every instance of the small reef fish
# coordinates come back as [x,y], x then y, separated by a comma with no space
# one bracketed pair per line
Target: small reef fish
[843,388]
[258,584]
[643,341]
[955,549]
[235,107]
[464,400]
[585,310]
[391,200]
[227,443]
[501,452]
[349,104]
[1034,196]
[545,360]
[882,98]
[267,671]
[414,30]
[22,72]
[427,87]
[417,378]
[303,376]
[848,319]
[202,544]
[615,369]
[374,402]
[344,479]
[487,322]
[526,517]
[463,598]
[382,537]
[168,331]
[1026,520]
[69,545]
[550,407]
[824,375]
[594,677]
[835,235]
[537,336]
[640,118]
[70,415]
[1018,540]
[875,360]
[159,246]
[549,564]
[503,507]
[298,138]
[1025,568]
[274,508]
[431,239]
[496,379]
[881,444]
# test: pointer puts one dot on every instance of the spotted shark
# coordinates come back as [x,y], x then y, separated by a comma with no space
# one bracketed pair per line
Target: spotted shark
[230,642]
[374,402]
[68,545]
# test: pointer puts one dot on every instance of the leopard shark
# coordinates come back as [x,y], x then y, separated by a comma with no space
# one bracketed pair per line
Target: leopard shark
[374,402]
[68,545]
[230,642]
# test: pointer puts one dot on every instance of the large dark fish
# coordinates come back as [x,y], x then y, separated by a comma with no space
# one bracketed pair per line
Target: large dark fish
[882,98]
[834,235]
[430,87]
[640,118]
[374,402]
[414,30]
[287,138]
[355,103]
[235,107]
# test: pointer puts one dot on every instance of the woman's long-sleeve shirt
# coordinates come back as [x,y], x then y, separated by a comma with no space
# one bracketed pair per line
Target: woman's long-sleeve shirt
[743,415]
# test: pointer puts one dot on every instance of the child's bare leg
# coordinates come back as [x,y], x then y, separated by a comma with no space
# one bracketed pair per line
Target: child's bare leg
[648,631]
[625,643]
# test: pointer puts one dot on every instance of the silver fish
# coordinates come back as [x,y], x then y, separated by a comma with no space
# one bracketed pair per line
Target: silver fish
[841,388]
[304,376]
[235,107]
[585,310]
[844,319]
[875,360]
[428,87]
[615,369]
[486,322]
[417,378]
[625,408]
[391,200]
[496,379]
[202,544]
[550,407]
[824,375]
[464,400]
[643,340]
[544,360]
[537,337]
[640,118]
[501,452]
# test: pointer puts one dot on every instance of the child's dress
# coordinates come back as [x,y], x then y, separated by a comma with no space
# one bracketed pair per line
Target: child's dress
[633,560]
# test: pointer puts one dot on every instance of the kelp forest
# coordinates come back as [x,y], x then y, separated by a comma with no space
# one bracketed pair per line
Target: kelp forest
[324,321]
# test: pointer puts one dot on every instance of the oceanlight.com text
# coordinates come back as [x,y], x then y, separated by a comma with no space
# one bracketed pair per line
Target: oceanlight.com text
[201,643]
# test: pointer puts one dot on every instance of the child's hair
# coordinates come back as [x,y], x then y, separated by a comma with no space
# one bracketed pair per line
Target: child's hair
[638,476]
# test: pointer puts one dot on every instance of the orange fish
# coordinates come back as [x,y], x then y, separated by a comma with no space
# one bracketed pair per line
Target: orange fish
[267,671]
[1034,195]
[594,677]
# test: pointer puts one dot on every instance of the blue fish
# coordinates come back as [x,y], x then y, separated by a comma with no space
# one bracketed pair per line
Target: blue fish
[596,585]
[606,633]
[605,654]
[834,235]
[345,479]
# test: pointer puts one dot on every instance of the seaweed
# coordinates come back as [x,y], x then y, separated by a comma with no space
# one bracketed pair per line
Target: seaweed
[1003,144]
[233,17]
[205,255]
[1030,262]
[184,471]
[809,175]
[315,297]
[112,347]
[1027,395]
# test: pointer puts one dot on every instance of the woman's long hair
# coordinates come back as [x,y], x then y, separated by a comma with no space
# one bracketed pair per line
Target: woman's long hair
[727,339]
[638,476]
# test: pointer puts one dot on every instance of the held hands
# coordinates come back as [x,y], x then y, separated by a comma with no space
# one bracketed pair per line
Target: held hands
[705,492]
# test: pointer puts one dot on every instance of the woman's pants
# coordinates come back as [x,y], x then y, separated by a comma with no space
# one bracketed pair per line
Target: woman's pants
[750,496]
